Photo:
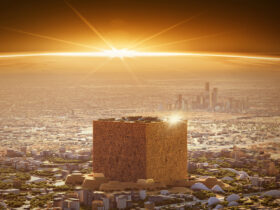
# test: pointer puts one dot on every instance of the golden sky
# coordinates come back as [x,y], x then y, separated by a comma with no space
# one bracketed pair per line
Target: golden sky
[250,26]
[229,29]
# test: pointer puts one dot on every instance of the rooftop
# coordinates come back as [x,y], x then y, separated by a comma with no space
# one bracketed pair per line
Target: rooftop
[133,119]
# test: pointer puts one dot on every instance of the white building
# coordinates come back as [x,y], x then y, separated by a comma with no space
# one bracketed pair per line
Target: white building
[142,194]
[121,201]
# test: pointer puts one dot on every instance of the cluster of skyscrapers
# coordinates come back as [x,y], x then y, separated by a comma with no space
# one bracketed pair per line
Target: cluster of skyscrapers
[208,100]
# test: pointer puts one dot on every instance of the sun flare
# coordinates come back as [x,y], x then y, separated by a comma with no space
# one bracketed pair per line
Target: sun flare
[173,119]
[119,53]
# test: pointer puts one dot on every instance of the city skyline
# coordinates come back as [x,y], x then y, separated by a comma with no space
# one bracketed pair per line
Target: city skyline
[139,104]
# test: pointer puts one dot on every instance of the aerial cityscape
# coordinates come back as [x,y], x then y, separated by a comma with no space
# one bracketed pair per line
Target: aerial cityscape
[147,107]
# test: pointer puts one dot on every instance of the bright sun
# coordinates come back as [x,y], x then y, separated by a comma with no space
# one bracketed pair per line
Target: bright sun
[120,53]
[124,52]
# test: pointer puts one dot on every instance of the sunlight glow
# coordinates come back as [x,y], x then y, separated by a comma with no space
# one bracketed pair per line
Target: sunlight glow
[165,30]
[120,53]
[91,27]
[174,119]
[49,38]
[123,53]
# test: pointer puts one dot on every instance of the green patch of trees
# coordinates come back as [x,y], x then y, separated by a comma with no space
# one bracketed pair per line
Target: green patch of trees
[36,185]
[14,201]
[269,201]
[4,186]
[220,174]
[40,201]
[7,170]
[23,176]
[235,188]
[169,202]
[86,170]
[203,194]
[43,173]
[61,160]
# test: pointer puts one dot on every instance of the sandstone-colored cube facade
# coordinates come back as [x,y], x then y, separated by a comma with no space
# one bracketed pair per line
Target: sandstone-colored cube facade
[166,151]
[127,151]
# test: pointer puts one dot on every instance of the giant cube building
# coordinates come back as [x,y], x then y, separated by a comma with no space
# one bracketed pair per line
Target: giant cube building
[140,148]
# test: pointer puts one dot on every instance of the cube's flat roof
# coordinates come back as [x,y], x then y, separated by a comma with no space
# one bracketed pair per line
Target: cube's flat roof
[133,119]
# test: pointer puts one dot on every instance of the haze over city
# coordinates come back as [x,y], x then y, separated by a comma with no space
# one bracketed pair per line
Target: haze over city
[139,104]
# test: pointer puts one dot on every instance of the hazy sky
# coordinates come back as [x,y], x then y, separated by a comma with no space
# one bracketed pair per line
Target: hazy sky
[233,25]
